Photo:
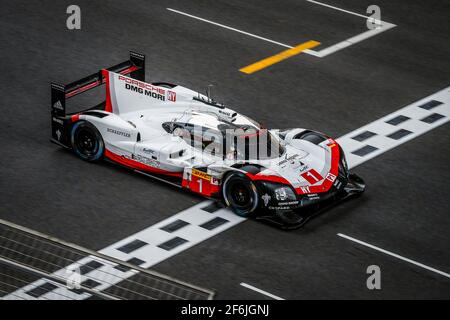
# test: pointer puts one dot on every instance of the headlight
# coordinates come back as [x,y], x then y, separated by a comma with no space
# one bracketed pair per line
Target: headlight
[284,193]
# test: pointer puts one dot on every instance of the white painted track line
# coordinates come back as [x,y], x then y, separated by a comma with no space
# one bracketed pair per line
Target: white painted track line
[353,40]
[421,265]
[230,28]
[384,26]
[416,119]
[339,9]
[261,291]
[321,53]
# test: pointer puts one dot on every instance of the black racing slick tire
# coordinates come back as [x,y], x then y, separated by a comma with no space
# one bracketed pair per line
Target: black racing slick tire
[87,142]
[240,194]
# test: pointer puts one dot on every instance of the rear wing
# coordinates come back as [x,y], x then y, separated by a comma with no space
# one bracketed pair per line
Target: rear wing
[134,68]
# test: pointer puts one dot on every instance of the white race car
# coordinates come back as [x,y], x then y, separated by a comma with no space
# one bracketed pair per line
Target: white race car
[182,137]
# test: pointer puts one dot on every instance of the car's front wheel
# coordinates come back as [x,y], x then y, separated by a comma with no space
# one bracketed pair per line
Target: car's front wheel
[240,194]
[87,143]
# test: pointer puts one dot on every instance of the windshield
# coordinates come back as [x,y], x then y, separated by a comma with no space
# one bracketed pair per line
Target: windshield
[232,143]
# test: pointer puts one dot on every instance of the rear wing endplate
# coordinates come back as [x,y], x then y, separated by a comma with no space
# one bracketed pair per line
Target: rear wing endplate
[134,68]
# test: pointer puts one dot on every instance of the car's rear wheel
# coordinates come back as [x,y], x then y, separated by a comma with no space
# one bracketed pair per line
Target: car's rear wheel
[87,143]
[240,194]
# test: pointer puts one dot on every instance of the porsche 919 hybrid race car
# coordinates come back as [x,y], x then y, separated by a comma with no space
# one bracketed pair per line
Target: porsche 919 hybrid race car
[185,138]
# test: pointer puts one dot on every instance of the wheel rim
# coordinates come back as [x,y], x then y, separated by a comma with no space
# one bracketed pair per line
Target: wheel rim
[240,195]
[86,142]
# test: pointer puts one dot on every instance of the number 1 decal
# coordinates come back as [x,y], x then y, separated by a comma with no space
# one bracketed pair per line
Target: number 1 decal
[200,185]
[312,176]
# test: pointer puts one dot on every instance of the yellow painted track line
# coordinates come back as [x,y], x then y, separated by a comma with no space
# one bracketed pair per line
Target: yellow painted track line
[279,57]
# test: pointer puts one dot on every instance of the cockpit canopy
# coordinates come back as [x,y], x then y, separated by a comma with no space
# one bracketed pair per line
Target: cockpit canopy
[229,141]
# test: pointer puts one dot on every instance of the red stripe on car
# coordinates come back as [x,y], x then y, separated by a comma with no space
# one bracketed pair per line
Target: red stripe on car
[108,106]
[75,118]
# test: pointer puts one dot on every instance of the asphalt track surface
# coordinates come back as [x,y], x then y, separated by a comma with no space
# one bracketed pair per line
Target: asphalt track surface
[405,208]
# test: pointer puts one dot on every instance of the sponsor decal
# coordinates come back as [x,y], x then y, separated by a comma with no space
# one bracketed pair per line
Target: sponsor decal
[290,203]
[331,143]
[137,55]
[58,134]
[266,198]
[144,160]
[295,163]
[331,177]
[58,86]
[149,93]
[171,96]
[228,114]
[147,89]
[58,121]
[280,208]
[313,196]
[142,85]
[58,105]
[305,189]
[154,95]
[291,158]
[305,167]
[148,151]
[200,174]
[119,133]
